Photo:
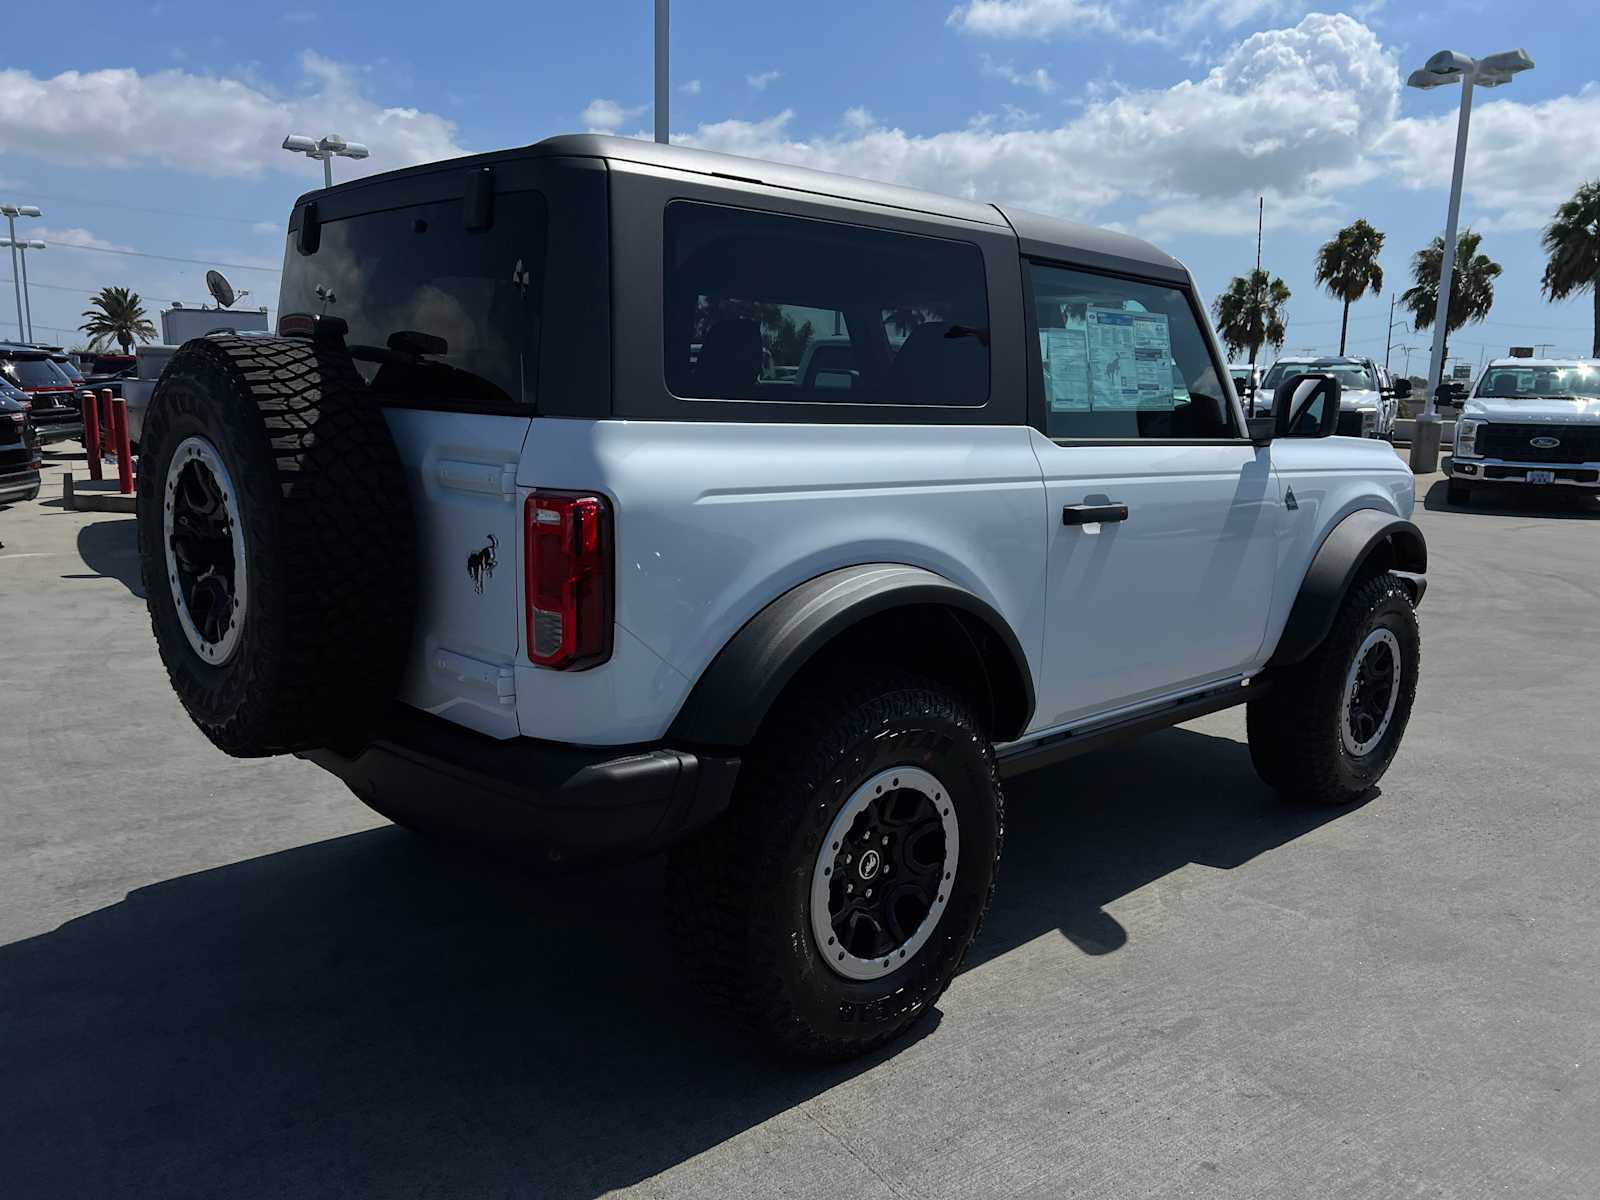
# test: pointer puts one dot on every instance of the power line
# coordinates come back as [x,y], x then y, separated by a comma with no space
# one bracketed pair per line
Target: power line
[163,212]
[199,262]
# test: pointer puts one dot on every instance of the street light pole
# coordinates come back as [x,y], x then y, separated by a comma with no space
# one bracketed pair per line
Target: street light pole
[16,275]
[662,89]
[27,300]
[1443,68]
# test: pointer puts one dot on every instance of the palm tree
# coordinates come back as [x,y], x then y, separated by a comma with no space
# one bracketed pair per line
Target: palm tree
[1250,313]
[1348,267]
[1471,284]
[1573,242]
[116,314]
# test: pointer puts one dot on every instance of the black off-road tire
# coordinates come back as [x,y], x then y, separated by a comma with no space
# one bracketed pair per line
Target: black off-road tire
[740,895]
[328,544]
[1458,493]
[1296,730]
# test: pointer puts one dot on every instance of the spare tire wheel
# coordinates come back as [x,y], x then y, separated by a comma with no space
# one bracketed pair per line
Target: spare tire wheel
[276,544]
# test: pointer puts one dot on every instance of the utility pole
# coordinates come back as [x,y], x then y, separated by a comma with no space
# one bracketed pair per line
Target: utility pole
[662,127]
[1388,342]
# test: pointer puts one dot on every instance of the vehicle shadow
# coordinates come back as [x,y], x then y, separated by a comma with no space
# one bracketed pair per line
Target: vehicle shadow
[110,549]
[1517,500]
[375,1015]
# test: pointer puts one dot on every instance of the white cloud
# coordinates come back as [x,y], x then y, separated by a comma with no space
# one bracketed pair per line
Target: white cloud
[1283,112]
[74,237]
[208,125]
[1038,79]
[607,116]
[1131,20]
[759,82]
[690,88]
[1522,159]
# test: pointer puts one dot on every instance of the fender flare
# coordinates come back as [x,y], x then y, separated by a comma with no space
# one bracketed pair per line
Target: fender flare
[1346,550]
[733,695]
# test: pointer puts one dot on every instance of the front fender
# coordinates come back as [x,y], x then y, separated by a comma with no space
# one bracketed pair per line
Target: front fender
[1351,546]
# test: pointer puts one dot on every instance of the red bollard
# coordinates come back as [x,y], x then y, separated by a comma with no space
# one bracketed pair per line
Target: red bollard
[91,433]
[119,433]
[105,421]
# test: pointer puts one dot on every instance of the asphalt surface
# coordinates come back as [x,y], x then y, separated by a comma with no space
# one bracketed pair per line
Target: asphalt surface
[224,978]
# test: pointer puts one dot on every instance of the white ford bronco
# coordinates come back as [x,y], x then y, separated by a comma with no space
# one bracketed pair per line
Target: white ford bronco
[528,526]
[1529,421]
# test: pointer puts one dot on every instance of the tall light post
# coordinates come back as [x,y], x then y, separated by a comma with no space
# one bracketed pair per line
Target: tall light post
[661,71]
[20,249]
[1443,68]
[325,150]
[12,212]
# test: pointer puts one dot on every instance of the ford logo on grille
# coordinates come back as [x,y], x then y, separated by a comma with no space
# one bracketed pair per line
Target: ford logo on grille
[1545,443]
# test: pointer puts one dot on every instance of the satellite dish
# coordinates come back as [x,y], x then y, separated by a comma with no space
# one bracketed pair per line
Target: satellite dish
[219,287]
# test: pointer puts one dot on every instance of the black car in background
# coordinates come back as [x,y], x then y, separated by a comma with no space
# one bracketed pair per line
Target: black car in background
[20,458]
[57,413]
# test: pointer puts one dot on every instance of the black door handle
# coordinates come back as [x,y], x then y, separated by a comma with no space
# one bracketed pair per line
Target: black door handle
[1089,514]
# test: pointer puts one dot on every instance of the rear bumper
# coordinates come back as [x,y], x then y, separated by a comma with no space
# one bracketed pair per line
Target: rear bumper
[60,431]
[566,801]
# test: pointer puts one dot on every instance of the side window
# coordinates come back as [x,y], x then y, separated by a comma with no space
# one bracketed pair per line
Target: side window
[1124,359]
[761,306]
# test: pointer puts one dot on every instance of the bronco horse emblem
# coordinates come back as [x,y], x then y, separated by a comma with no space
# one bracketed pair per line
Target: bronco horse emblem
[480,564]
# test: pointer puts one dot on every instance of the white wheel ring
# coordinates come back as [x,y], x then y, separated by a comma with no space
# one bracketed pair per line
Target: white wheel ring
[840,961]
[1347,737]
[199,451]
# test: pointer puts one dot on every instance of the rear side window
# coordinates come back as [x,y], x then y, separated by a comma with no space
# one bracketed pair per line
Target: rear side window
[761,306]
[437,312]
[1124,359]
[35,372]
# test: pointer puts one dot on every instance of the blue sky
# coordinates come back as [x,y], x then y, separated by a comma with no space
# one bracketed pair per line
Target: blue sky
[153,128]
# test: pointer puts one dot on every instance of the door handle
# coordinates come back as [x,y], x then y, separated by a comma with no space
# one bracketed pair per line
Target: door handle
[1090,514]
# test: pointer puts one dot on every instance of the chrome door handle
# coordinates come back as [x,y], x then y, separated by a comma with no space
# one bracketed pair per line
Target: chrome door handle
[1090,514]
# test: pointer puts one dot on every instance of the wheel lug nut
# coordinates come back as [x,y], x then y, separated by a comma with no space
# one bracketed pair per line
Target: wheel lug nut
[869,893]
[886,839]
[849,887]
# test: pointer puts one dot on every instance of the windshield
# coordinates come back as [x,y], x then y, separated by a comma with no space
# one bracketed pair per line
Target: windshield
[1351,377]
[69,368]
[1579,381]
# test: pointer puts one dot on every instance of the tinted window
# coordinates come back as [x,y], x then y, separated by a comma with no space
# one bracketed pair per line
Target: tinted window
[436,311]
[35,372]
[761,306]
[1124,359]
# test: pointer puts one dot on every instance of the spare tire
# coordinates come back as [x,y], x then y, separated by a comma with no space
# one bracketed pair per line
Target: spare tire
[276,544]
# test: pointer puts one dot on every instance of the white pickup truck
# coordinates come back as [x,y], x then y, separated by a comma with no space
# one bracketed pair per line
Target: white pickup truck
[1529,421]
[514,532]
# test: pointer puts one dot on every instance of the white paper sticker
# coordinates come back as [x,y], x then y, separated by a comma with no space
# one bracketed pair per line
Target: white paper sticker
[1130,359]
[1066,369]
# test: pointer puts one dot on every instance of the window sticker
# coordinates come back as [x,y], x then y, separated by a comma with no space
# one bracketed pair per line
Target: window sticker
[1066,369]
[1130,359]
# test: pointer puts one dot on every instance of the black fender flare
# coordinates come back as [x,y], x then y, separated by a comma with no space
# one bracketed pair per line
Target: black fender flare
[1344,553]
[735,692]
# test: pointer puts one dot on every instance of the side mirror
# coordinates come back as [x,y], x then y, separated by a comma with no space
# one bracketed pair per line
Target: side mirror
[1402,388]
[1261,430]
[1307,406]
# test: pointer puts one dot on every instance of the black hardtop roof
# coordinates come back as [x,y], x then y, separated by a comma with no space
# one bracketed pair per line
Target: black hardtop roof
[21,350]
[1041,235]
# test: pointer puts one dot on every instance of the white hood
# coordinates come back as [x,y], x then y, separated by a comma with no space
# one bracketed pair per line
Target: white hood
[1532,411]
[1350,398]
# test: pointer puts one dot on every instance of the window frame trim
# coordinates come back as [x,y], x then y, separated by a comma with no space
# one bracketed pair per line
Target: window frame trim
[1038,416]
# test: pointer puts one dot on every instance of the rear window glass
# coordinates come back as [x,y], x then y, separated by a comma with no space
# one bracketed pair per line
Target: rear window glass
[34,372]
[761,306]
[437,312]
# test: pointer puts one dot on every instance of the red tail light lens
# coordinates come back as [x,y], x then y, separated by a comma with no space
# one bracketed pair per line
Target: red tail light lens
[569,579]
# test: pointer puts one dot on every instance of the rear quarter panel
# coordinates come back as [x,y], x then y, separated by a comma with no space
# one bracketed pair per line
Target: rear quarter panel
[714,521]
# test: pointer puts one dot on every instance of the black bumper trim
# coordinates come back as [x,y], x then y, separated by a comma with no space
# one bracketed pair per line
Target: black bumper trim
[567,801]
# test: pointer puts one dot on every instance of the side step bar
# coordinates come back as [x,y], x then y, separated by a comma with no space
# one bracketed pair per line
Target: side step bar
[1029,756]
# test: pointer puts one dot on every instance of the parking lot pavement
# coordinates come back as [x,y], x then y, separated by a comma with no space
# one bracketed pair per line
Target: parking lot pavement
[225,978]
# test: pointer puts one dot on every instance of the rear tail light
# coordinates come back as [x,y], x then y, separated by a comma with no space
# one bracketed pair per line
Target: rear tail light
[569,564]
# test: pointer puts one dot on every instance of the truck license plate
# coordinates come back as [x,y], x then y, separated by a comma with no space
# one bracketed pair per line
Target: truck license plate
[1541,476]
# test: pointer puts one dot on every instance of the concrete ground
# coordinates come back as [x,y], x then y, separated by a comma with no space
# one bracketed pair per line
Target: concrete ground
[228,979]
